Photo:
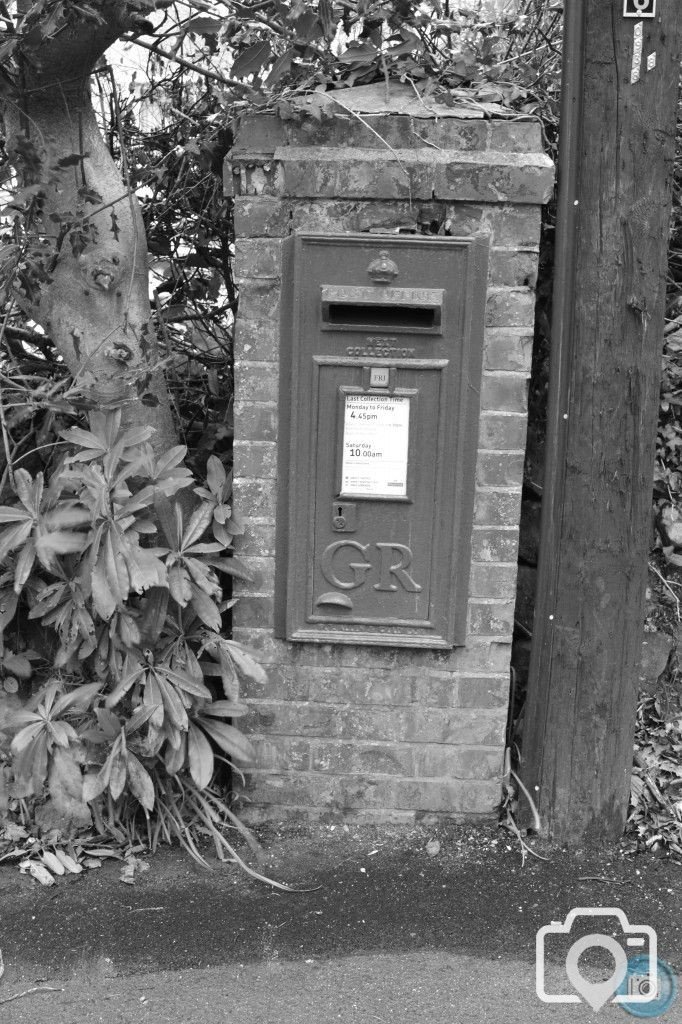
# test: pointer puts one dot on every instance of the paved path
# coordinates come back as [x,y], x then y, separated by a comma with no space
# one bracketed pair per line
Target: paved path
[387,934]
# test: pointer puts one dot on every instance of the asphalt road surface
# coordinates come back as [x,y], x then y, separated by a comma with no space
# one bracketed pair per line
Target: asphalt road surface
[385,932]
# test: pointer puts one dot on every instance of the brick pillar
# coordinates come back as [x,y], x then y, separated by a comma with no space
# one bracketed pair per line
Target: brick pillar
[381,733]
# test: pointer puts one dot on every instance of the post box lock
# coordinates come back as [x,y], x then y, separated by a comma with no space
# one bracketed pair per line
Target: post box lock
[344,518]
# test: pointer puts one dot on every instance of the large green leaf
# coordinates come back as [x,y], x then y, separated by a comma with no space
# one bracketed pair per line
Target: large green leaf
[131,673]
[13,537]
[77,700]
[251,60]
[200,756]
[205,608]
[25,561]
[173,705]
[140,783]
[229,739]
[246,663]
[197,525]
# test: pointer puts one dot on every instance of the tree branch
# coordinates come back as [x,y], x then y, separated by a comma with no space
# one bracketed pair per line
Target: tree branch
[206,72]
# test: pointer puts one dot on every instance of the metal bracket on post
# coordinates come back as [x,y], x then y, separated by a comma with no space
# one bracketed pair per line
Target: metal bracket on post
[639,8]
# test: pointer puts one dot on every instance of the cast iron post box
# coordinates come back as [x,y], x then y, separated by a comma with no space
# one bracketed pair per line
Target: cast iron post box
[382,341]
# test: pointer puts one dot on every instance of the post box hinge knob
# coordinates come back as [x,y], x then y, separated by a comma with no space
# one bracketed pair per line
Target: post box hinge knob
[383,269]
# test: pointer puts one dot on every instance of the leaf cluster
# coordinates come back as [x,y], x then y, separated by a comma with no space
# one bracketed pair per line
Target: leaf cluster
[111,603]
[655,814]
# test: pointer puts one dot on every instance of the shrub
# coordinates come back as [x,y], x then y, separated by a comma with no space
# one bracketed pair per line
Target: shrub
[111,604]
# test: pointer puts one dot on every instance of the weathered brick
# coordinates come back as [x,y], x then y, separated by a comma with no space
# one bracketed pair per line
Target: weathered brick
[437,760]
[262,133]
[293,788]
[490,579]
[339,793]
[504,392]
[281,683]
[254,814]
[449,133]
[508,348]
[259,133]
[255,497]
[258,538]
[445,690]
[488,176]
[419,725]
[449,796]
[491,618]
[347,655]
[330,216]
[340,128]
[509,225]
[499,469]
[285,753]
[360,685]
[259,216]
[256,459]
[257,339]
[391,130]
[497,508]
[256,381]
[256,421]
[462,219]
[254,611]
[510,307]
[261,571]
[257,258]
[513,268]
[502,431]
[259,300]
[515,136]
[342,758]
[266,648]
[484,691]
[289,718]
[479,656]
[494,545]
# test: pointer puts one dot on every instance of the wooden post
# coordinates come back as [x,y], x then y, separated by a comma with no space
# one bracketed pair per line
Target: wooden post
[580,710]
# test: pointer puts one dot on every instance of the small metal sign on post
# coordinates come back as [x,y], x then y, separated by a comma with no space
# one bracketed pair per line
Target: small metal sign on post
[639,8]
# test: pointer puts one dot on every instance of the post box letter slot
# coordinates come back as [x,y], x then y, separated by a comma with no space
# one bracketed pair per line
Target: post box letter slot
[417,310]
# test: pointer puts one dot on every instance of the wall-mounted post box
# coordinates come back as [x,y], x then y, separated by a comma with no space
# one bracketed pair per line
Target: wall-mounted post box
[381,350]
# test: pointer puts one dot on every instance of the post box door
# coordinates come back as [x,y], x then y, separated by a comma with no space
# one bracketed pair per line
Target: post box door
[378,433]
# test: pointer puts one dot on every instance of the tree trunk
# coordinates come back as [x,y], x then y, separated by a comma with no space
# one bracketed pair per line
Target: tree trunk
[580,712]
[95,306]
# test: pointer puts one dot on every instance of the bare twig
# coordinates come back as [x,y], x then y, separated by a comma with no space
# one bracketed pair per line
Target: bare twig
[3,421]
[30,991]
[599,878]
[668,588]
